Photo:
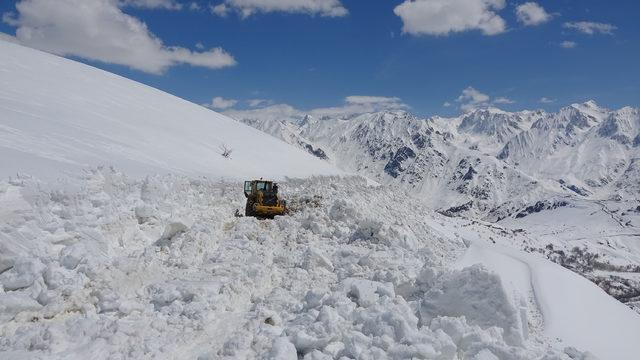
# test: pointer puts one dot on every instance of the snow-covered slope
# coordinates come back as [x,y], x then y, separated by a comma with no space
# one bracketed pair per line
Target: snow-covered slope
[57,114]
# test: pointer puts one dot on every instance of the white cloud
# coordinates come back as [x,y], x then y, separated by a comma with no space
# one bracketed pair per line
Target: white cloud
[259,102]
[277,112]
[442,17]
[568,44]
[222,103]
[446,104]
[503,100]
[369,100]
[220,9]
[9,38]
[153,4]
[353,105]
[591,28]
[471,99]
[99,30]
[358,104]
[546,100]
[246,8]
[9,18]
[531,14]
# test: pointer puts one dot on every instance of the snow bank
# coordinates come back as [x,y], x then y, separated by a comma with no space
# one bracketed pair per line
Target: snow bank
[575,310]
[59,115]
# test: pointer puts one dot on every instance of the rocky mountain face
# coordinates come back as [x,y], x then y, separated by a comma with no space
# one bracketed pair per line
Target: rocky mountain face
[486,163]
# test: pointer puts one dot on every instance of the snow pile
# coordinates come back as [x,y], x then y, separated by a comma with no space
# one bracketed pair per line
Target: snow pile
[365,319]
[106,266]
[59,115]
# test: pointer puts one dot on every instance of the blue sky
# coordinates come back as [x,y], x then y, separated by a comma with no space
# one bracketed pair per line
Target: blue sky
[312,59]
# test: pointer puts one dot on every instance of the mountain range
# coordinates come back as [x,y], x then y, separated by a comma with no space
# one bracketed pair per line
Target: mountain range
[487,163]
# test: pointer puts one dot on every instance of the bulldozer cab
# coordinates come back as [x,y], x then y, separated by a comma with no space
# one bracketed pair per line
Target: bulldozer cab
[262,199]
[252,187]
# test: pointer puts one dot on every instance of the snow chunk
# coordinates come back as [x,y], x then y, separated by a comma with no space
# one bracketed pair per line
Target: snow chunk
[15,303]
[71,256]
[366,292]
[143,213]
[343,210]
[22,275]
[6,262]
[573,353]
[476,294]
[173,228]
[163,295]
[283,349]
[107,301]
[305,342]
[485,354]
[314,259]
[368,230]
[56,276]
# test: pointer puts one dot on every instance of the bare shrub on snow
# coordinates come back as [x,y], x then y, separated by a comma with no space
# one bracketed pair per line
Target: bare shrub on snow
[225,151]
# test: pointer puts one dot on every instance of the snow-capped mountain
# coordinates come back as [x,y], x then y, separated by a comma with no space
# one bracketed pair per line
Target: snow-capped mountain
[492,127]
[487,161]
[583,146]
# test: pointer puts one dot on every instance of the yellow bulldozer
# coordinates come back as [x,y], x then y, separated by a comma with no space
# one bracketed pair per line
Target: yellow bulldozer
[262,199]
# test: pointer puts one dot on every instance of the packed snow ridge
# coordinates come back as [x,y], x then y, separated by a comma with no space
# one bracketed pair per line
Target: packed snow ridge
[123,241]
